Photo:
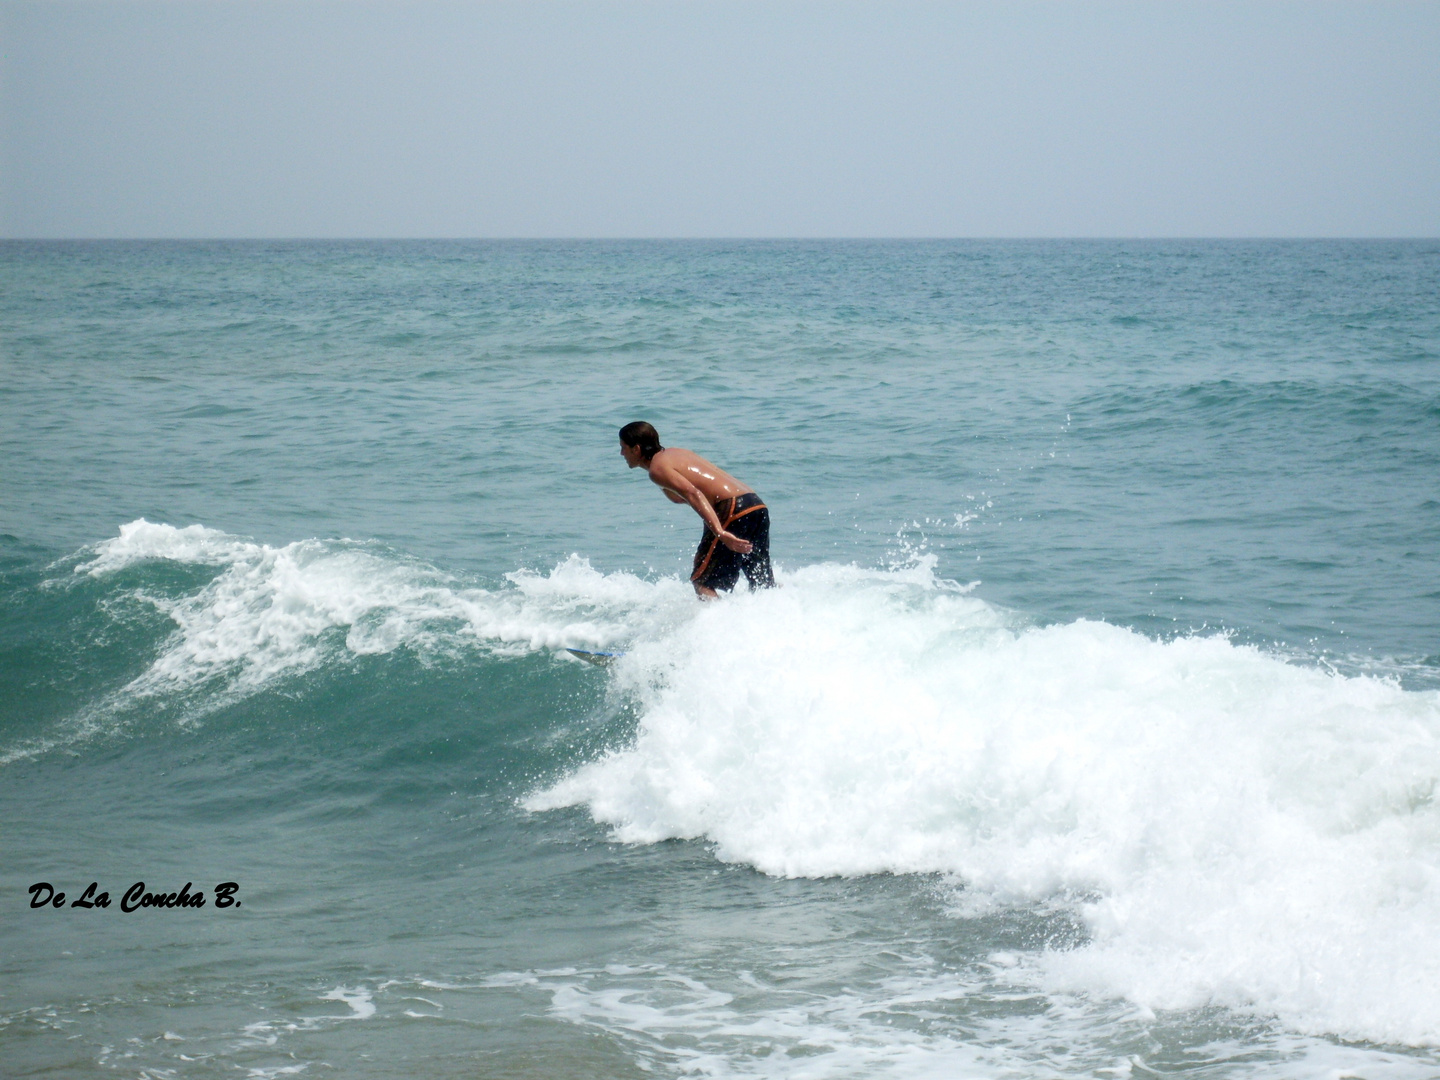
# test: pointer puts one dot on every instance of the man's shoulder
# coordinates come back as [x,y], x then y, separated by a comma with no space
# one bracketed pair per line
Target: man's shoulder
[671,457]
[662,462]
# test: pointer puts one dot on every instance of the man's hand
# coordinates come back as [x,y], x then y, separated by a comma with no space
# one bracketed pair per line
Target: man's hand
[735,543]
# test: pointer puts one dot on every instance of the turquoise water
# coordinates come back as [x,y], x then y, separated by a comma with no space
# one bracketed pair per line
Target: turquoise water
[1095,728]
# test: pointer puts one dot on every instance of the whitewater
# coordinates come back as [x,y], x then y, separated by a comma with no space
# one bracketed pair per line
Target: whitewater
[1229,827]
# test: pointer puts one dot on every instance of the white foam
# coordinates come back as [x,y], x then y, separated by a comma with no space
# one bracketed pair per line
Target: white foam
[275,611]
[1235,829]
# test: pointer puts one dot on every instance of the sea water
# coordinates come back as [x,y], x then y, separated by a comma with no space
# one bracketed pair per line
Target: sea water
[1093,728]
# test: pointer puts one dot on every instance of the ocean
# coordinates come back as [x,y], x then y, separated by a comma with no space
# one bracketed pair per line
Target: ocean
[1092,731]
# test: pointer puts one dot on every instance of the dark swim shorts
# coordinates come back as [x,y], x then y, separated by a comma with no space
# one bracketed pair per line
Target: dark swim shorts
[716,566]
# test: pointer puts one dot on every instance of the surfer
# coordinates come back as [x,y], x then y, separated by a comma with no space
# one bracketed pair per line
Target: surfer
[737,524]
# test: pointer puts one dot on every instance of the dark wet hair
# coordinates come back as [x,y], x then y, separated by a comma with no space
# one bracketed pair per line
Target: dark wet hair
[639,433]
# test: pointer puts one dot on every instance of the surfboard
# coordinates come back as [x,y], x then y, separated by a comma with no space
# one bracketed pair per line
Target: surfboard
[600,659]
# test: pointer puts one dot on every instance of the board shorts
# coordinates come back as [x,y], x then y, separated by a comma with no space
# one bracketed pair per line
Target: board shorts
[716,566]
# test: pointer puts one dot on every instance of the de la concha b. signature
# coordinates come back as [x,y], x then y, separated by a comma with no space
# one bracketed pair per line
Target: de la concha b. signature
[45,895]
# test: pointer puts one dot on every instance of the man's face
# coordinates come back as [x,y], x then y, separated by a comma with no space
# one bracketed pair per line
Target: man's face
[631,454]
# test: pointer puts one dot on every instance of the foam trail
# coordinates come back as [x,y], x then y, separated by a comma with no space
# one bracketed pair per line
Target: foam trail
[1235,829]
[908,1026]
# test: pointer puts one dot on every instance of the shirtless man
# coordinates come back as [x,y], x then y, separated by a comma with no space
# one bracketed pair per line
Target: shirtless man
[737,524]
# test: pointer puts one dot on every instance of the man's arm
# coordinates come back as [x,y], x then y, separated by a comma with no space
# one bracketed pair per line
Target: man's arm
[673,483]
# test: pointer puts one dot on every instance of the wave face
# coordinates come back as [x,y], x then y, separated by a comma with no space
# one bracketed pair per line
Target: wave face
[259,617]
[1233,828]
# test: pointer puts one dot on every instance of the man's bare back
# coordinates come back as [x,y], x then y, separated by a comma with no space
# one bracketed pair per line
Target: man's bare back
[714,482]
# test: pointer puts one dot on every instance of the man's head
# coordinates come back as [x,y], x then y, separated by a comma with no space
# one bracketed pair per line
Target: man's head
[639,442]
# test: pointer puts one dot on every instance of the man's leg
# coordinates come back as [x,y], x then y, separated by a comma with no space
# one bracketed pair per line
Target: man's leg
[716,567]
[758,572]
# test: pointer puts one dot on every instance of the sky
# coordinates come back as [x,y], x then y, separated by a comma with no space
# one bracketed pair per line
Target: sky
[215,118]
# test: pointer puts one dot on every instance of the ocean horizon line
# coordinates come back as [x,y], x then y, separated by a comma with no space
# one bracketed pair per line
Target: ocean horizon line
[712,239]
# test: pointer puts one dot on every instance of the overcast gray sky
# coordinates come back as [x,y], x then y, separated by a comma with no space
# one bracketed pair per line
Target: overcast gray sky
[640,119]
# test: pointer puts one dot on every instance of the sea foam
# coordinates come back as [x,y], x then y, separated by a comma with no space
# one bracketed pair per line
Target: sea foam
[1234,829]
[272,612]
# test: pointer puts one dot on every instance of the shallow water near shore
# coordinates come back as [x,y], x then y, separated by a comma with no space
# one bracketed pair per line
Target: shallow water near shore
[1094,728]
